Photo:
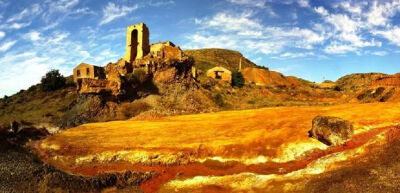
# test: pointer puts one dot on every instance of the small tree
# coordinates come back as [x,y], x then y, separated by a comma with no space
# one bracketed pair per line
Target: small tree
[237,79]
[53,80]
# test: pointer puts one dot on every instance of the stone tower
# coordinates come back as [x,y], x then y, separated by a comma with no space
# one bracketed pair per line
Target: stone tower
[137,42]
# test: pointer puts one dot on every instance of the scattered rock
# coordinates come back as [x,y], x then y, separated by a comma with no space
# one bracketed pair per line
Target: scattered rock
[331,130]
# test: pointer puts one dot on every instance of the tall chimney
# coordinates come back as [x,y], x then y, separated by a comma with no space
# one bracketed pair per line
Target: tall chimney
[240,64]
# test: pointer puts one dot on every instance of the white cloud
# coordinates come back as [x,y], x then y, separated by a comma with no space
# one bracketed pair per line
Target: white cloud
[2,34]
[253,3]
[303,3]
[4,47]
[339,48]
[231,22]
[161,3]
[379,53]
[32,36]
[321,10]
[199,40]
[85,54]
[352,7]
[242,30]
[62,5]
[381,12]
[23,70]
[296,55]
[16,25]
[391,34]
[84,11]
[113,11]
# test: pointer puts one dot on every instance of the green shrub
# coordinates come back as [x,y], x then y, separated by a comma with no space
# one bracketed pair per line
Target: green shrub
[337,88]
[53,80]
[69,81]
[219,100]
[138,76]
[33,88]
[237,79]
[128,110]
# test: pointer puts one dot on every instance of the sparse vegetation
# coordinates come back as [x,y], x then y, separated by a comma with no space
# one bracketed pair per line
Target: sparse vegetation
[53,80]
[387,95]
[138,76]
[219,99]
[237,79]
[204,59]
[129,110]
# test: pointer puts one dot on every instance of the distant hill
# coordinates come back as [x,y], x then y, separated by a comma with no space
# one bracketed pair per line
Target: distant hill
[205,59]
[357,80]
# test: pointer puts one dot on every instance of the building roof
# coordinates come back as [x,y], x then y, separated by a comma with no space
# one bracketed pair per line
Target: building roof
[85,64]
[219,68]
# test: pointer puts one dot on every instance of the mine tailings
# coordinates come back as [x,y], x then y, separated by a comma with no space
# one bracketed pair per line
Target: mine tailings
[163,174]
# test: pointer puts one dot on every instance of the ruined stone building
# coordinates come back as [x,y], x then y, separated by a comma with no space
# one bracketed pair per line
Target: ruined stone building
[388,80]
[84,70]
[153,59]
[220,73]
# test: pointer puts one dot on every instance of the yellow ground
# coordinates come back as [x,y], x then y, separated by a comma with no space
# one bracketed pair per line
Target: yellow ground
[248,137]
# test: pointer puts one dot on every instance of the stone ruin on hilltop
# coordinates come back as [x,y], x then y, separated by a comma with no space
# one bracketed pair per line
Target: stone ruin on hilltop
[163,61]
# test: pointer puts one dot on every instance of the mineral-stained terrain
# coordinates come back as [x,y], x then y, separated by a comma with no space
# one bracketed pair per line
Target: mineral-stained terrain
[250,150]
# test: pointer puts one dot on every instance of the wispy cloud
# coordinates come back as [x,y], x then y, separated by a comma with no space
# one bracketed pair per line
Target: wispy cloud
[7,45]
[254,3]
[32,11]
[161,3]
[379,53]
[242,30]
[113,11]
[15,26]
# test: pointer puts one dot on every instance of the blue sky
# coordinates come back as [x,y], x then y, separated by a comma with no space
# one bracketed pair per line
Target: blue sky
[315,40]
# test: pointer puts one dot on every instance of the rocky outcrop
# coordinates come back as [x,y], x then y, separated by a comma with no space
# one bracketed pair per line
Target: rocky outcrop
[18,133]
[331,130]
[387,80]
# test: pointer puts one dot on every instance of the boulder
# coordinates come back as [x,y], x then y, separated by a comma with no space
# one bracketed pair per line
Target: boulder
[331,130]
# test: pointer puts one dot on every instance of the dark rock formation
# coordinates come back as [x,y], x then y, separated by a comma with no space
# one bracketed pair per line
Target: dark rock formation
[331,130]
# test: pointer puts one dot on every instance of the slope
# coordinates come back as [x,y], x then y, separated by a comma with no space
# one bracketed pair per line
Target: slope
[205,59]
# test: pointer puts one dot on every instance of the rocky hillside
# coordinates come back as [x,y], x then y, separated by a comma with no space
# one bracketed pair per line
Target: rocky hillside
[264,77]
[357,81]
[66,108]
[208,58]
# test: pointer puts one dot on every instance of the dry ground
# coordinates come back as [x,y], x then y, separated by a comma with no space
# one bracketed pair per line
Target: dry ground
[225,151]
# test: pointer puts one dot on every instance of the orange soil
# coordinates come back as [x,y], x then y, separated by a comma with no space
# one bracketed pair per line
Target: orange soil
[237,135]
[266,77]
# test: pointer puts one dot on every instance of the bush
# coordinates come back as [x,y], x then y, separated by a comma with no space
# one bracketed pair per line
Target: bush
[129,110]
[69,81]
[219,100]
[388,95]
[237,79]
[138,76]
[337,88]
[53,80]
[33,88]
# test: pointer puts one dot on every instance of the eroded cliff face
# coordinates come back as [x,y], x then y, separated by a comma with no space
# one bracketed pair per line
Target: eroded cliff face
[388,80]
